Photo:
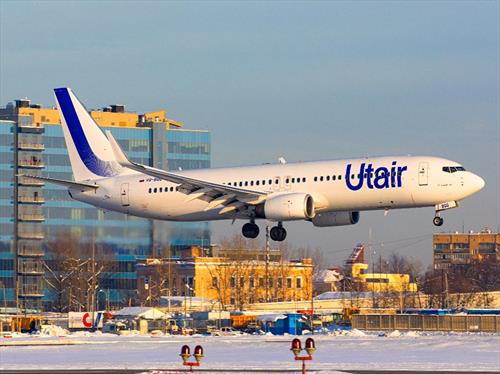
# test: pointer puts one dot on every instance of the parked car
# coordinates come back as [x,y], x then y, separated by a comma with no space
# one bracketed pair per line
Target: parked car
[114,327]
[227,331]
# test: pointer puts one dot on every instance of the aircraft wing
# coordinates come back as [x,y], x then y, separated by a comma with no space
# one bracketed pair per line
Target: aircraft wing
[216,194]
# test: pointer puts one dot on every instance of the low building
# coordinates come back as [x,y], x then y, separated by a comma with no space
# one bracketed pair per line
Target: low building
[457,249]
[231,281]
[375,282]
[143,319]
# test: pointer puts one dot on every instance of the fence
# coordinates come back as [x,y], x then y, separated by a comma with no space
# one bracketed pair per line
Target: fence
[485,323]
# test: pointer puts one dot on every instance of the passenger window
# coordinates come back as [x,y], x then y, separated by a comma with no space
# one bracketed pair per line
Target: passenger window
[293,180]
[246,183]
[340,177]
[298,180]
[161,189]
[251,183]
[171,189]
[276,181]
[321,179]
[287,180]
[150,190]
[155,190]
[241,184]
[304,180]
[177,188]
[334,177]
[315,179]
[270,181]
[257,182]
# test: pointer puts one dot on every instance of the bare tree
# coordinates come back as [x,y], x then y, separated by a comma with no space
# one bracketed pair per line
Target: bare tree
[69,272]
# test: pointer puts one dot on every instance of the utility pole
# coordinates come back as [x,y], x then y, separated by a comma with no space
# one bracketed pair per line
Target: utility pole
[446,289]
[92,295]
[267,263]
[370,249]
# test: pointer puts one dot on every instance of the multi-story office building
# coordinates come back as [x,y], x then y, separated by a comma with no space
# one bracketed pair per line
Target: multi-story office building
[33,213]
[455,249]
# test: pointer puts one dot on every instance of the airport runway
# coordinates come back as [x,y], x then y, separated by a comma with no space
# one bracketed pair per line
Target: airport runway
[201,370]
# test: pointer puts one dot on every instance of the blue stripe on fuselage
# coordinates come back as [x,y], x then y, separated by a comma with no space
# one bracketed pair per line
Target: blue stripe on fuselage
[91,161]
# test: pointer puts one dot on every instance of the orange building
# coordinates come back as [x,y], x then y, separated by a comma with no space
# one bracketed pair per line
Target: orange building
[464,248]
[232,282]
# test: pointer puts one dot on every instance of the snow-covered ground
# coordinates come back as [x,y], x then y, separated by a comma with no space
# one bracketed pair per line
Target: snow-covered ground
[351,350]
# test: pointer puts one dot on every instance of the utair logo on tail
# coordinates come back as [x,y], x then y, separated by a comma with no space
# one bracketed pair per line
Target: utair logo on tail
[379,178]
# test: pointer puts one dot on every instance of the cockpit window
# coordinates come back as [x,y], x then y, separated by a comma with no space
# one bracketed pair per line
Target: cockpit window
[453,169]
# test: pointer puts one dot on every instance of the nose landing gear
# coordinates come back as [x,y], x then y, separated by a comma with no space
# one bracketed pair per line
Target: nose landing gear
[278,233]
[437,221]
[250,230]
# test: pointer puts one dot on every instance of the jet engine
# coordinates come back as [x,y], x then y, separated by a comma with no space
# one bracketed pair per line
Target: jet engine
[335,219]
[287,207]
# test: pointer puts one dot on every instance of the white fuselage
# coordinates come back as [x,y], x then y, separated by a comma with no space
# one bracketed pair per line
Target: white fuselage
[387,183]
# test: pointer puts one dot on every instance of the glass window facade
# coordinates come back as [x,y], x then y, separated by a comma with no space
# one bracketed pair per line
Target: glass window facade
[57,213]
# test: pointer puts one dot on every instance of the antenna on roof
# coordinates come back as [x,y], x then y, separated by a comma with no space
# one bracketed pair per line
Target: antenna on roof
[282,160]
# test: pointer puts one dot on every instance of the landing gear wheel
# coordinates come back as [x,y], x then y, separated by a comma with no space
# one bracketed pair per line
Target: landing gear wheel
[278,233]
[437,221]
[250,230]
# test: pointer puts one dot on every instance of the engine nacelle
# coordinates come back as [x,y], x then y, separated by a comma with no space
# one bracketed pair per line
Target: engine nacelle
[287,207]
[335,219]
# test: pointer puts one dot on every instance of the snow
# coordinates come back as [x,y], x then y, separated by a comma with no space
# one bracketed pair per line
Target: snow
[343,350]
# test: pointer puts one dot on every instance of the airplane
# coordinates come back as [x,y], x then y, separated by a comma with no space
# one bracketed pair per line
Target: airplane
[325,193]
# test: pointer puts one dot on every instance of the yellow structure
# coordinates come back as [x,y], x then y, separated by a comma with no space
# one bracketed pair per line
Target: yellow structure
[465,248]
[380,282]
[102,118]
[231,282]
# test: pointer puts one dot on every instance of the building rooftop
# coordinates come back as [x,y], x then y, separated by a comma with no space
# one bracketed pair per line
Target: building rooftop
[111,116]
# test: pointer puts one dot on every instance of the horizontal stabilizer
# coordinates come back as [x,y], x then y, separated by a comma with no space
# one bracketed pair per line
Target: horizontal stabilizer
[62,182]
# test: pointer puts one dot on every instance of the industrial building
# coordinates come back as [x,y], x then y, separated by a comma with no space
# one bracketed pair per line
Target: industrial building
[455,249]
[33,213]
[234,281]
[357,278]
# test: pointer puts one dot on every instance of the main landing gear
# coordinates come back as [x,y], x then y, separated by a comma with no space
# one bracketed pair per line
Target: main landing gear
[250,230]
[278,233]
[437,221]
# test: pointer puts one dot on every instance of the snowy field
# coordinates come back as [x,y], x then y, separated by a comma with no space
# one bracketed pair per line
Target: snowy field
[353,350]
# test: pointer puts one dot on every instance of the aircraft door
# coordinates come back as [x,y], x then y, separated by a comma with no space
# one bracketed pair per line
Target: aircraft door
[423,174]
[124,194]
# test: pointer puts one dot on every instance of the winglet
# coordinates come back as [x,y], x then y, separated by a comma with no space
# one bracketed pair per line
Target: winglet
[120,156]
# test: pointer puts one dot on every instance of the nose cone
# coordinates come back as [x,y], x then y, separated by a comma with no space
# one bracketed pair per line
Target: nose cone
[477,183]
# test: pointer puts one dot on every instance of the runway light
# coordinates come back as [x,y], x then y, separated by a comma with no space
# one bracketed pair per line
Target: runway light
[198,353]
[310,346]
[296,347]
[185,353]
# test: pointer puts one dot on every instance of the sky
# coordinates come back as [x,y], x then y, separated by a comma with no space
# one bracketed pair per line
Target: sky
[305,80]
